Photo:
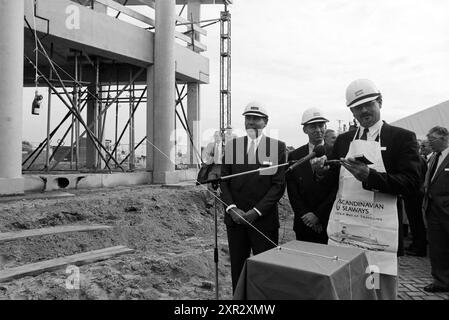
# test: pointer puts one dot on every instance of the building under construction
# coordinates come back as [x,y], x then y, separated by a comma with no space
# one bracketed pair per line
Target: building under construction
[96,56]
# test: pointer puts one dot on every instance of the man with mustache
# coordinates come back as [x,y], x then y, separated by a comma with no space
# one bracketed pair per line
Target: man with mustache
[251,200]
[366,192]
[305,194]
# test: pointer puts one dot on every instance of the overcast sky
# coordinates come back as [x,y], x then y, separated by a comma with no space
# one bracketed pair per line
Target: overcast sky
[292,55]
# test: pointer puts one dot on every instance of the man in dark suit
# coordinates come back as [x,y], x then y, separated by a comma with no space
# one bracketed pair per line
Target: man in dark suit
[436,209]
[413,210]
[371,190]
[305,194]
[251,214]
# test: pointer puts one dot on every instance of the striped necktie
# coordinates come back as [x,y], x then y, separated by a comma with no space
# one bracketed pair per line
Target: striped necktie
[252,152]
[434,166]
[365,134]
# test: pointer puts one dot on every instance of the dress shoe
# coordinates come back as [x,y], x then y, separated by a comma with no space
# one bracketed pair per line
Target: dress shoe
[435,288]
[416,252]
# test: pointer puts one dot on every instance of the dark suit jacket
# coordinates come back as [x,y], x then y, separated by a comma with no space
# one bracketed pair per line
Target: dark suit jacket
[401,159]
[304,193]
[259,190]
[438,190]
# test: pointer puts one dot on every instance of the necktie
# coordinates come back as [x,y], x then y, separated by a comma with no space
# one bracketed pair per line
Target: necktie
[433,168]
[252,153]
[365,134]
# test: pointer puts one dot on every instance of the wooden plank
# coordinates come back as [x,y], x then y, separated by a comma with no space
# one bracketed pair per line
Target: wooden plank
[34,269]
[129,12]
[195,26]
[183,20]
[188,39]
[14,235]
[134,14]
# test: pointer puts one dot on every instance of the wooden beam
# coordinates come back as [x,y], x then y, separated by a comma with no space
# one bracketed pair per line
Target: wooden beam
[188,39]
[129,12]
[183,20]
[134,14]
[34,269]
[188,23]
[10,236]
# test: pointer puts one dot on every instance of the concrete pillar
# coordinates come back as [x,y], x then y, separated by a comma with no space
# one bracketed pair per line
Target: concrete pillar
[193,92]
[193,119]
[92,113]
[150,119]
[164,93]
[11,91]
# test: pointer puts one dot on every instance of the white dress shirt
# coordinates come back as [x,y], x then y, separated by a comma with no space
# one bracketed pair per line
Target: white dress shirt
[373,131]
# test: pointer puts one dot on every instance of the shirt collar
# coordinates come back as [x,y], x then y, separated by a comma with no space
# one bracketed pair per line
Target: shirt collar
[312,146]
[256,141]
[444,154]
[373,130]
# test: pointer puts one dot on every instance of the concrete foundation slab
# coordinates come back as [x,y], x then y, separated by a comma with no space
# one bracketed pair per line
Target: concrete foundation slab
[10,186]
[126,179]
[167,177]
[63,181]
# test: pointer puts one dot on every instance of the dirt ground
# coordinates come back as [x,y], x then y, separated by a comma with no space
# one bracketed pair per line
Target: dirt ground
[171,231]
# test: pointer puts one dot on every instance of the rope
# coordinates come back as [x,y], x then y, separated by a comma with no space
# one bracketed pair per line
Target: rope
[217,198]
[332,258]
[36,50]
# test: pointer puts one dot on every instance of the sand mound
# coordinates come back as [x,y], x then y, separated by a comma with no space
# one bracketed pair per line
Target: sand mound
[171,230]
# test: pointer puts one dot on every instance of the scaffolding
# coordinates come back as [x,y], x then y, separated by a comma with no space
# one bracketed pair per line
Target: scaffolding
[225,70]
[76,93]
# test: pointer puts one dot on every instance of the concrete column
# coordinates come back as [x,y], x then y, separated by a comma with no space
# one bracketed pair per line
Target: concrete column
[11,91]
[164,93]
[92,113]
[150,119]
[193,119]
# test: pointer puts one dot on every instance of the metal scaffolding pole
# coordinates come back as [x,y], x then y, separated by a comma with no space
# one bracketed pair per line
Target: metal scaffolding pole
[132,158]
[48,143]
[126,126]
[225,70]
[116,117]
[44,143]
[77,107]
[99,120]
[71,107]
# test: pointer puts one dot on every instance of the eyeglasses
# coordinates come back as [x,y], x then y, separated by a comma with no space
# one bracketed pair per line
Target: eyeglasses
[431,139]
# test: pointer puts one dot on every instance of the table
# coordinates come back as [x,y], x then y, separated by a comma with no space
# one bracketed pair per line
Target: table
[304,270]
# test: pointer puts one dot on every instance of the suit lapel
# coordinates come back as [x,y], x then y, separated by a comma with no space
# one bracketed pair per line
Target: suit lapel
[385,138]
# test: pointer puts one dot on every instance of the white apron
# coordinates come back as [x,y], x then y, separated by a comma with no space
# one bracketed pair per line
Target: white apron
[365,219]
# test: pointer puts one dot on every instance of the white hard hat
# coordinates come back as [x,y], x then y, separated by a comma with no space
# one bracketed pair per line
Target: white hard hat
[361,91]
[313,115]
[255,108]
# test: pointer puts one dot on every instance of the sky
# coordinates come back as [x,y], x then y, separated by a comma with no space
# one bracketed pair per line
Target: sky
[291,55]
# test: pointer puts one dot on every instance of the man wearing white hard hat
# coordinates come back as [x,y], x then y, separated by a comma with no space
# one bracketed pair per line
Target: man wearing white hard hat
[379,162]
[251,200]
[305,194]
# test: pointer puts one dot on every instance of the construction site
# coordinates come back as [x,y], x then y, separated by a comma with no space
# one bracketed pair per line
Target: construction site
[101,60]
[93,210]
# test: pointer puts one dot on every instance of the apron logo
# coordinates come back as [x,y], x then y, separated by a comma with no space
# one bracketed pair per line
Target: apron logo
[352,207]
[338,205]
